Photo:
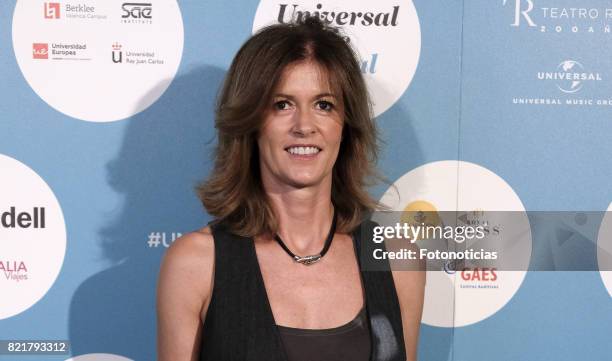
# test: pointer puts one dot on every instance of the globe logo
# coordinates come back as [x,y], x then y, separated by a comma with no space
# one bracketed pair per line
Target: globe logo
[572,82]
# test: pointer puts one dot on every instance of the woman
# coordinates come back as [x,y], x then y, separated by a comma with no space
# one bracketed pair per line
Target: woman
[276,276]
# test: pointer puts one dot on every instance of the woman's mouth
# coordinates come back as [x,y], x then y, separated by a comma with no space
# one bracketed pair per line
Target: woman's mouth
[308,151]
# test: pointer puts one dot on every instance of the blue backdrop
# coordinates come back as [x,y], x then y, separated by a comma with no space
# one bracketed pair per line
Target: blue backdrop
[476,96]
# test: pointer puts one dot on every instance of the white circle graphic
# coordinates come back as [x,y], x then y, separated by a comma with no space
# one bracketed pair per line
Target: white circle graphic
[98,61]
[386,35]
[604,249]
[99,357]
[32,237]
[463,297]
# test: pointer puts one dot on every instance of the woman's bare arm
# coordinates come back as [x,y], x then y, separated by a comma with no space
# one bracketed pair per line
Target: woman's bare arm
[183,293]
[409,280]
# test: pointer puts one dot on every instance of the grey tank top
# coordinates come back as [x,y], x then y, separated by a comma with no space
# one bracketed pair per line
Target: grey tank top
[350,342]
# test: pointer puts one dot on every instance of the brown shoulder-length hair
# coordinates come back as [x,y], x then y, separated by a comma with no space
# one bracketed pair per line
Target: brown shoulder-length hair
[233,193]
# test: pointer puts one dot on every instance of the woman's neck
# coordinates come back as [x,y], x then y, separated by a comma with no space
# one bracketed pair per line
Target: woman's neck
[304,217]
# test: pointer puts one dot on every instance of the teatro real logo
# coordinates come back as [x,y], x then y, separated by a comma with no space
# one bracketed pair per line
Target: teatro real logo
[549,17]
[52,10]
[522,8]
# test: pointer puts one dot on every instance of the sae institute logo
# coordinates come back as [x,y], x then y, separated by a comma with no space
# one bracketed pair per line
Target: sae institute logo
[40,51]
[137,13]
[52,10]
[546,16]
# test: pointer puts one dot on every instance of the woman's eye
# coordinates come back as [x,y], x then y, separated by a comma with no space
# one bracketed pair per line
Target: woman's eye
[281,105]
[325,105]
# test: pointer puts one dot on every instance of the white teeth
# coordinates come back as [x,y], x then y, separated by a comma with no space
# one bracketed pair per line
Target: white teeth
[303,150]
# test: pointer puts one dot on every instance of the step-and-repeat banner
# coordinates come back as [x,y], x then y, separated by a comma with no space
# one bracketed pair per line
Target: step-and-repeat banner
[106,125]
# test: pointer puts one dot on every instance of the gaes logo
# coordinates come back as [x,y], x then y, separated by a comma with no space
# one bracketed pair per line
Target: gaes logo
[40,51]
[52,10]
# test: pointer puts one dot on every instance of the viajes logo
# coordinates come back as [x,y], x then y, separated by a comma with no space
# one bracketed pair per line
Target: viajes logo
[386,35]
[52,10]
[40,51]
[32,237]
[545,16]
[15,271]
[137,13]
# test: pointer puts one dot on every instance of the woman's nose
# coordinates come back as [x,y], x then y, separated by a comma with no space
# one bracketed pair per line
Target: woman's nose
[303,122]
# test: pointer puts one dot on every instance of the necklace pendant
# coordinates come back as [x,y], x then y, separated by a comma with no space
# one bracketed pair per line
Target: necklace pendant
[308,260]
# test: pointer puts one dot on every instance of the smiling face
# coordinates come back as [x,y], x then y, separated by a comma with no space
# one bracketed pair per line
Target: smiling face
[301,130]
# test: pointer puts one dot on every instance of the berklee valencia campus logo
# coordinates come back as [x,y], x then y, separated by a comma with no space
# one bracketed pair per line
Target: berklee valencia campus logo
[13,270]
[578,19]
[569,78]
[52,10]
[137,13]
[72,11]
[133,57]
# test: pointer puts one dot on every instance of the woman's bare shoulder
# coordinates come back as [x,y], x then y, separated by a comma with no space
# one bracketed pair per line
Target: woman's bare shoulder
[196,246]
[190,259]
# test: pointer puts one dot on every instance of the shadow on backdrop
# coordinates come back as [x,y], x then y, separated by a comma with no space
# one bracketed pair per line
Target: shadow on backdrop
[166,150]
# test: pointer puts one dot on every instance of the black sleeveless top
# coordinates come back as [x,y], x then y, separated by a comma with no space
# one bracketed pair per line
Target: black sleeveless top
[350,341]
[239,324]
